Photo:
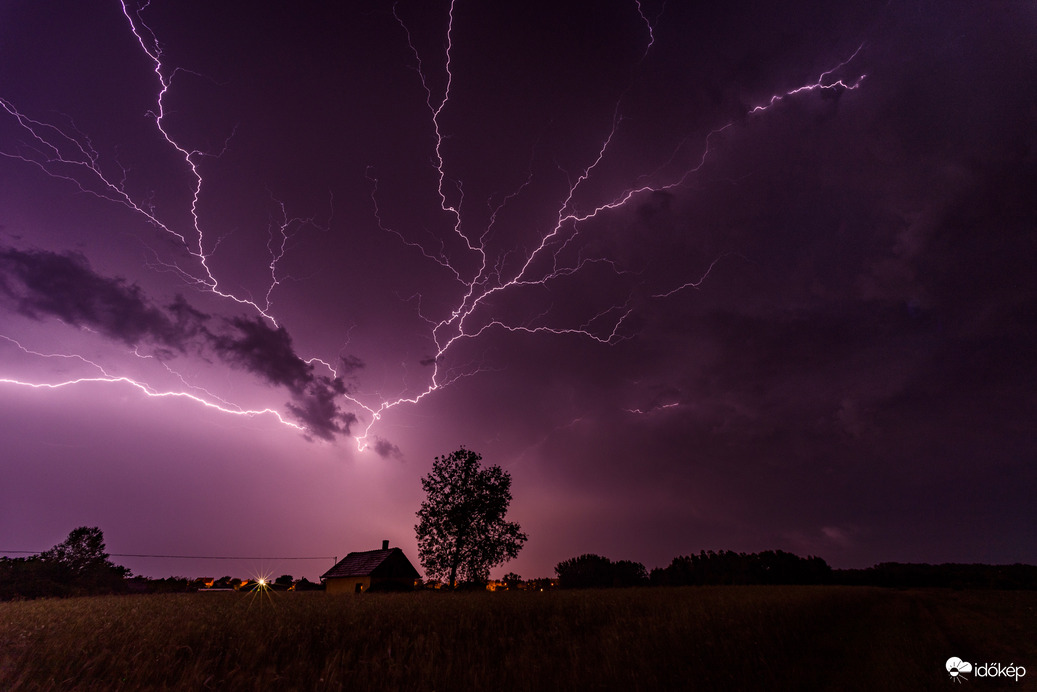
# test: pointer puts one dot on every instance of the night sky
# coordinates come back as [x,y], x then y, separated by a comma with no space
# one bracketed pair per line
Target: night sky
[259,267]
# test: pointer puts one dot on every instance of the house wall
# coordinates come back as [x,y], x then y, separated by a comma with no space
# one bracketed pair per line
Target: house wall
[346,584]
[393,583]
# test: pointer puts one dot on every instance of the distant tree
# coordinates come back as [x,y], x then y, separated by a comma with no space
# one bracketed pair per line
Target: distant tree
[587,571]
[285,580]
[954,575]
[512,581]
[542,584]
[77,566]
[81,561]
[305,584]
[29,577]
[629,573]
[729,567]
[168,585]
[462,531]
[80,552]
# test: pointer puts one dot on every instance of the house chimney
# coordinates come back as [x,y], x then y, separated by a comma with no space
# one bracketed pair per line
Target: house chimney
[385,545]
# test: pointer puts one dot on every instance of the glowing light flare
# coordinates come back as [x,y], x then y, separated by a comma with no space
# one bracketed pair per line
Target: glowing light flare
[262,586]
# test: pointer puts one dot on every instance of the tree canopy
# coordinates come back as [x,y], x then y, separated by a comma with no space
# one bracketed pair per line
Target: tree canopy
[729,567]
[78,565]
[596,571]
[462,531]
[81,552]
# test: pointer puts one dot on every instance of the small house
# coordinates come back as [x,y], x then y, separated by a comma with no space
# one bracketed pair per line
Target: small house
[387,569]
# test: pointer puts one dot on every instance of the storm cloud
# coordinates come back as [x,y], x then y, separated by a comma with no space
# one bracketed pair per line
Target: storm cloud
[40,284]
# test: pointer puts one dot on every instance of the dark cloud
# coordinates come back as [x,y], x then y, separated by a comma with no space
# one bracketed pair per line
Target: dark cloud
[268,352]
[350,365]
[264,351]
[39,284]
[314,406]
[386,449]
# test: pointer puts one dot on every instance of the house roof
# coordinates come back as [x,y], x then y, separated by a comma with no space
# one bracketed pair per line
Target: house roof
[373,563]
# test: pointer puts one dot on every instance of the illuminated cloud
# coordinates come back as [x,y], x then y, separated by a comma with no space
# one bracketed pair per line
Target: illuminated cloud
[386,449]
[315,407]
[43,284]
[263,351]
[268,353]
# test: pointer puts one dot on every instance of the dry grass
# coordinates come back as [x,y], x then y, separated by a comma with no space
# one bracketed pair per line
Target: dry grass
[636,639]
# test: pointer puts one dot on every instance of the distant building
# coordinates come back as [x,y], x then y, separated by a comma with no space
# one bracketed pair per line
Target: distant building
[387,569]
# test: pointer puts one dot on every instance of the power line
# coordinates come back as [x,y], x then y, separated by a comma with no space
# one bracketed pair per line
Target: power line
[186,557]
[220,557]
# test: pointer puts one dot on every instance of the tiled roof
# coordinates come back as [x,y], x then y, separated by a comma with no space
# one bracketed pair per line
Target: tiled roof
[365,563]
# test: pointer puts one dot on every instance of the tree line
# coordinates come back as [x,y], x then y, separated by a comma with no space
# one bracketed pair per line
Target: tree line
[463,532]
[708,567]
[777,567]
[78,566]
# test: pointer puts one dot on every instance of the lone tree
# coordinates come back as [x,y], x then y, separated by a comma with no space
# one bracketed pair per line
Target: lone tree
[81,552]
[462,531]
[80,564]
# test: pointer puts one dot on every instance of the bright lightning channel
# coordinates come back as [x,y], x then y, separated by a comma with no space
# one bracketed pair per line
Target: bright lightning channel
[143,387]
[605,327]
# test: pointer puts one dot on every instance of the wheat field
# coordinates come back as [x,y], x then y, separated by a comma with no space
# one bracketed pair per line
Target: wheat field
[752,638]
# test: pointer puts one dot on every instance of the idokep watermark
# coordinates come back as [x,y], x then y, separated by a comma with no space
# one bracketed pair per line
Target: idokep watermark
[960,670]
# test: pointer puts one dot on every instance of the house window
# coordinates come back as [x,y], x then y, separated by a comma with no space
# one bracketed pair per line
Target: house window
[359,588]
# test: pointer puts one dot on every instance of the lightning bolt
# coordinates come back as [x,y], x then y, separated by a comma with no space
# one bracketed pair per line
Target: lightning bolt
[67,154]
[208,401]
[556,254]
[547,261]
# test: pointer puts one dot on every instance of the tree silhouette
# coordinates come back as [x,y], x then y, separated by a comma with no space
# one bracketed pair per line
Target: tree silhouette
[587,571]
[77,566]
[729,567]
[462,531]
[82,551]
[81,560]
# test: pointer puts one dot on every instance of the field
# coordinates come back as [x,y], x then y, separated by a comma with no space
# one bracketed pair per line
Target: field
[753,638]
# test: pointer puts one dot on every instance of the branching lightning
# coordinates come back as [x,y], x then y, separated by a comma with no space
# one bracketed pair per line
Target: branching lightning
[208,401]
[605,327]
[67,154]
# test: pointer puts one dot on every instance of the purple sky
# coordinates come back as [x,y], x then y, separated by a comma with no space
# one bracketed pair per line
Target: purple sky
[568,241]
